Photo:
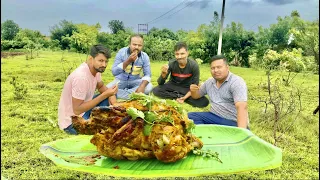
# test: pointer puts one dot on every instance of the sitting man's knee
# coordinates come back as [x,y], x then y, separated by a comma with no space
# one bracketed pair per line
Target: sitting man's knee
[204,102]
[155,90]
[192,115]
[148,89]
[201,105]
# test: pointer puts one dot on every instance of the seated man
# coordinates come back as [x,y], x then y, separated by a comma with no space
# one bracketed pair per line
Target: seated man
[228,97]
[128,64]
[183,72]
[78,91]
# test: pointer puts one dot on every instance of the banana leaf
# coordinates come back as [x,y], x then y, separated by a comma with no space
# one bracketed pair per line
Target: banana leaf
[239,150]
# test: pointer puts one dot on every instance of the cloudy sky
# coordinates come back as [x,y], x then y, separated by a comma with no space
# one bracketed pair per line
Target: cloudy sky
[172,14]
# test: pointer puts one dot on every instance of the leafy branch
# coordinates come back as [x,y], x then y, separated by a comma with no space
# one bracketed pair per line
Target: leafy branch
[150,118]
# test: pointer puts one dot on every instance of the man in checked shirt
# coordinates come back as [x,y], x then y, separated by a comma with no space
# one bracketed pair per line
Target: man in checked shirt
[228,97]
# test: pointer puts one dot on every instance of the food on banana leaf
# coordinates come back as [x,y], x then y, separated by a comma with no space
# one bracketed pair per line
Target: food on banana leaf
[143,127]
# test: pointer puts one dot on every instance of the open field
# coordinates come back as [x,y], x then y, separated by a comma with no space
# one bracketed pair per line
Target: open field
[32,121]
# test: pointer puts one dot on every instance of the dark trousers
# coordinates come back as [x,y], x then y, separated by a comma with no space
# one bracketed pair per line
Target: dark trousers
[172,91]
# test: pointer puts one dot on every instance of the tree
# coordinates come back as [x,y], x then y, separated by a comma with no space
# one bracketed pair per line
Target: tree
[238,44]
[85,37]
[63,29]
[308,39]
[196,42]
[277,36]
[211,37]
[181,34]
[163,33]
[32,35]
[215,20]
[105,39]
[295,13]
[116,26]
[9,29]
[120,40]
[31,40]
[159,49]
[280,33]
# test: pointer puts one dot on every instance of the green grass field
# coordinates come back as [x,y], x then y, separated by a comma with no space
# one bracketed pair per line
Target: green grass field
[28,123]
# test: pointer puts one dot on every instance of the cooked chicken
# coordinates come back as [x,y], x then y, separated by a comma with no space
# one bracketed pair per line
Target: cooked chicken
[162,132]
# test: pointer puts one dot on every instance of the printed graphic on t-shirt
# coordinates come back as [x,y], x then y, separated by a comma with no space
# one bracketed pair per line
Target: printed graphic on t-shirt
[135,70]
[181,75]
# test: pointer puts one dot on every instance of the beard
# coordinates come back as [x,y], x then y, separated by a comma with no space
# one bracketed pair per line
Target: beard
[100,69]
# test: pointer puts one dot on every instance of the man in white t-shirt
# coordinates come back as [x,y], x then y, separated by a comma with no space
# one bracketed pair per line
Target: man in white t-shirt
[77,97]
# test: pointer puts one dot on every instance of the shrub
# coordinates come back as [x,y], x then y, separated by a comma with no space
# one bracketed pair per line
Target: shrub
[20,91]
[271,60]
[6,45]
[292,60]
[199,61]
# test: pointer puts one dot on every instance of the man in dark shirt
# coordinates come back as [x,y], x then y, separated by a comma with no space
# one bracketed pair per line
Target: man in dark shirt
[183,72]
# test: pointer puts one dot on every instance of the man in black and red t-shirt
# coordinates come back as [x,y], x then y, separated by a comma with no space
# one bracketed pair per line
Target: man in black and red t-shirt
[184,72]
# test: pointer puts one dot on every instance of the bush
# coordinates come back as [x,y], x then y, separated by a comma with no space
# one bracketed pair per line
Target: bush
[6,45]
[54,44]
[159,49]
[292,60]
[199,61]
[255,62]
[13,44]
[310,64]
[271,60]
[20,91]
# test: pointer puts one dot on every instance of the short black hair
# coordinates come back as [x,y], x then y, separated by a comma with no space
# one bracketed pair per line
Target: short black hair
[218,57]
[99,48]
[135,35]
[180,45]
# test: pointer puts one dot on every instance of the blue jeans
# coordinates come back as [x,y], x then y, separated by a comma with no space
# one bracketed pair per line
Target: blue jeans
[70,130]
[105,102]
[210,118]
[125,88]
[86,116]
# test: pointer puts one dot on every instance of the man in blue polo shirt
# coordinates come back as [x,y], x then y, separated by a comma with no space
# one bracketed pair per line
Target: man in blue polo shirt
[227,95]
[129,63]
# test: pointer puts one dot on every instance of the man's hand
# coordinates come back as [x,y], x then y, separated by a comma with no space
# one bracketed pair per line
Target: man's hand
[140,89]
[194,88]
[180,100]
[111,91]
[142,86]
[112,100]
[164,70]
[133,56]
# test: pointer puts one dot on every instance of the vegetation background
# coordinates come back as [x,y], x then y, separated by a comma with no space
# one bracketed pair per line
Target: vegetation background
[34,68]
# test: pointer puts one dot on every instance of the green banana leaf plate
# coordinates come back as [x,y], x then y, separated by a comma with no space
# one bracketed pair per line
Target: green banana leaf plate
[239,150]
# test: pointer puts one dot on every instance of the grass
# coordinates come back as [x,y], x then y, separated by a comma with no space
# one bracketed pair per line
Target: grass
[32,121]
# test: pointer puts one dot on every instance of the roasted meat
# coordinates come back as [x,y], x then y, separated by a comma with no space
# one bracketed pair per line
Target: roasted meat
[141,128]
